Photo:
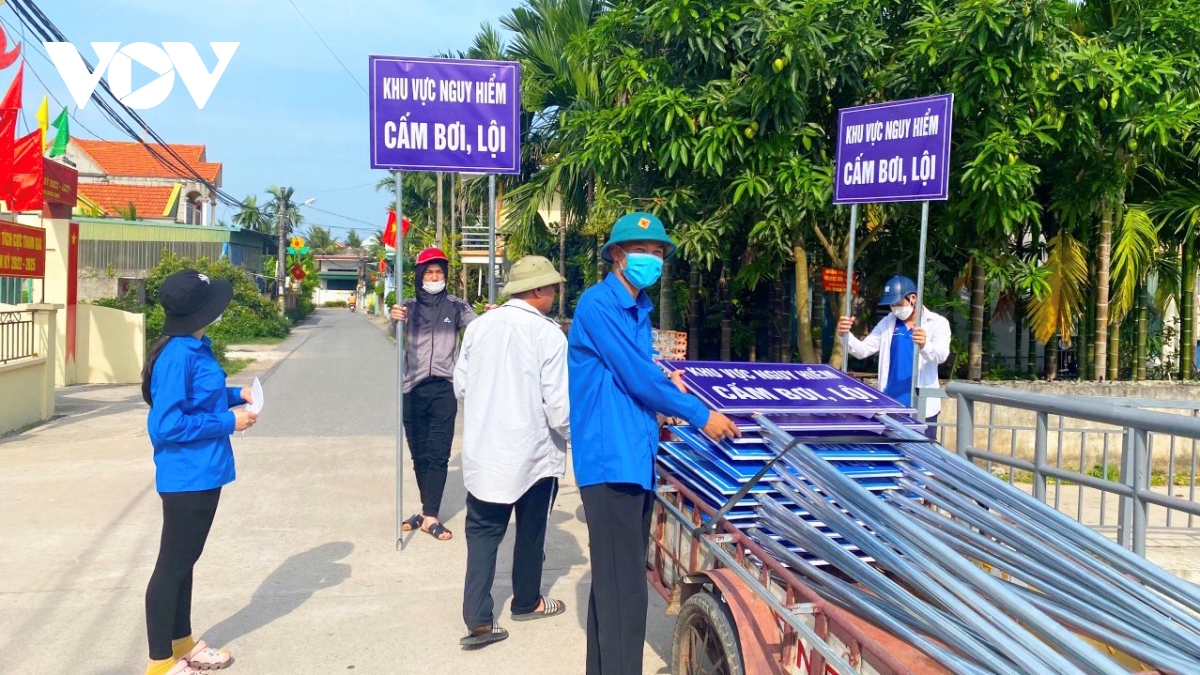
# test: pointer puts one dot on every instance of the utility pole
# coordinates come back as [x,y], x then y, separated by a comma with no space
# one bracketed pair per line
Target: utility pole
[280,272]
[441,232]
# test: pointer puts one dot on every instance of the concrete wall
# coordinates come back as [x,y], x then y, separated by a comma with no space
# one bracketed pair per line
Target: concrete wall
[27,385]
[111,346]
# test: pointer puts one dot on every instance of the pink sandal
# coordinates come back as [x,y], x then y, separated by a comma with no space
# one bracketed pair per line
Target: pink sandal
[181,668]
[203,657]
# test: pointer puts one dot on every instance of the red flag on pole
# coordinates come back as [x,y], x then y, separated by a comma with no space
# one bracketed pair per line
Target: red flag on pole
[13,98]
[389,231]
[8,133]
[27,173]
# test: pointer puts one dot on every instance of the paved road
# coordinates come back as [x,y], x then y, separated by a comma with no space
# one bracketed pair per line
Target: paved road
[300,575]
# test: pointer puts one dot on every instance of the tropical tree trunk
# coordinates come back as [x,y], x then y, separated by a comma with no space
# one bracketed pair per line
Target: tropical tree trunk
[1102,277]
[562,269]
[1114,351]
[695,330]
[975,344]
[773,324]
[1143,326]
[666,304]
[1187,340]
[784,313]
[803,310]
[1085,346]
[1018,328]
[1052,359]
[723,286]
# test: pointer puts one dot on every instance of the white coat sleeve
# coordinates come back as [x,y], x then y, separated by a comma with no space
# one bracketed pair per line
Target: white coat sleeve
[556,400]
[460,366]
[937,341]
[868,346]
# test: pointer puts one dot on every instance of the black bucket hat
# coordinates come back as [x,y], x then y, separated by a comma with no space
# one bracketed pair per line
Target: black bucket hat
[191,301]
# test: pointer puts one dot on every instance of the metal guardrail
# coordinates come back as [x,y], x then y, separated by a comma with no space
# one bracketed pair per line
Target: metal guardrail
[1135,430]
[16,336]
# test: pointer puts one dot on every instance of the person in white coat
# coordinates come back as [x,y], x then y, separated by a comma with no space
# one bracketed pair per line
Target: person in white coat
[896,337]
[512,376]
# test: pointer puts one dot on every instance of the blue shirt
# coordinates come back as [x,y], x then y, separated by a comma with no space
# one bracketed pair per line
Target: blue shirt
[900,370]
[616,388]
[190,421]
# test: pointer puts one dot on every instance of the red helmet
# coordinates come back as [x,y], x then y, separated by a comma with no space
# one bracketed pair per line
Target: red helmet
[432,254]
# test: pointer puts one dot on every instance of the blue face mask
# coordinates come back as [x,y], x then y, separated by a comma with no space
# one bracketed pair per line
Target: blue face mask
[643,270]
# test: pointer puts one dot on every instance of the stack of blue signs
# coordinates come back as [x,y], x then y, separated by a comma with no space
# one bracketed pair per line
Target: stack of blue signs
[829,411]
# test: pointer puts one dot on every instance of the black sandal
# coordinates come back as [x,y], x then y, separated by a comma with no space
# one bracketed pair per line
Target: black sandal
[483,636]
[549,608]
[413,523]
[437,530]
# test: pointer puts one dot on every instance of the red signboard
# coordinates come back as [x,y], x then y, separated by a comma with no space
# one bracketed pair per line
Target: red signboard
[22,251]
[833,280]
[60,183]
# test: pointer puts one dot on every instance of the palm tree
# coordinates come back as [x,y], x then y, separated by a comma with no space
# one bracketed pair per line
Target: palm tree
[320,239]
[281,202]
[251,216]
[353,240]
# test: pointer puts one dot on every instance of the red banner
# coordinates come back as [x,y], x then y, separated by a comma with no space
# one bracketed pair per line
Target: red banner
[8,133]
[833,280]
[28,165]
[60,183]
[72,287]
[22,251]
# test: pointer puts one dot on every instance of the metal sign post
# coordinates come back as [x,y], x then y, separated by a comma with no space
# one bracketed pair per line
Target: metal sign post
[492,239]
[918,403]
[849,304]
[401,331]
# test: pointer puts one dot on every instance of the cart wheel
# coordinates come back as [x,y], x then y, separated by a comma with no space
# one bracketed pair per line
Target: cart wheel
[706,639]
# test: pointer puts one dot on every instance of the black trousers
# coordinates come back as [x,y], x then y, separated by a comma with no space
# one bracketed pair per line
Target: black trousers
[618,521]
[486,524]
[429,412]
[187,518]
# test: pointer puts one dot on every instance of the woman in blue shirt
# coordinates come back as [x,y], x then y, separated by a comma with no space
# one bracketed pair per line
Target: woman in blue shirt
[189,424]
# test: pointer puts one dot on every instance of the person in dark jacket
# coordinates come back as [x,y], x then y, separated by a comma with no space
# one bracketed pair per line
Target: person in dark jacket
[433,322]
[189,425]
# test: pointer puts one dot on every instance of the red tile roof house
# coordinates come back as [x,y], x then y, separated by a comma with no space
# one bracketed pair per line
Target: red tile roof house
[131,207]
[115,175]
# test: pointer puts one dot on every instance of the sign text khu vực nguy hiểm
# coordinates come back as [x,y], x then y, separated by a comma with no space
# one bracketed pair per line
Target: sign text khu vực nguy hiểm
[894,152]
[445,115]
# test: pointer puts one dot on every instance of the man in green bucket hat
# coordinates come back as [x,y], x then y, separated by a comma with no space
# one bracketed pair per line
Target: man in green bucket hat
[619,398]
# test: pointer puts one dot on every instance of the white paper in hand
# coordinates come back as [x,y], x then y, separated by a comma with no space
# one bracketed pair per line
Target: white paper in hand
[256,395]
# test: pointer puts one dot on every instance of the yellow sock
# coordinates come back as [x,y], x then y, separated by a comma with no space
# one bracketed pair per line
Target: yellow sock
[182,647]
[161,667]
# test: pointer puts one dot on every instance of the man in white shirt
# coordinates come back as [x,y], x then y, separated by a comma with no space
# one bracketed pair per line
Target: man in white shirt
[512,377]
[895,338]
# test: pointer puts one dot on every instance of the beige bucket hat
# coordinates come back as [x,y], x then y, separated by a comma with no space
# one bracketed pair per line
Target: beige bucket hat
[530,272]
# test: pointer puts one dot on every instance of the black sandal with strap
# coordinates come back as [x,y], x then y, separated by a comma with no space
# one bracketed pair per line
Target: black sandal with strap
[437,530]
[549,608]
[413,523]
[483,636]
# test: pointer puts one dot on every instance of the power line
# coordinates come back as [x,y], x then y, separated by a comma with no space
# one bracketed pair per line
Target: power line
[352,187]
[33,70]
[335,56]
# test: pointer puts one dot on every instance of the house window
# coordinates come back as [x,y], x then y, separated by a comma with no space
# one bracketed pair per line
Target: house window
[195,209]
[341,284]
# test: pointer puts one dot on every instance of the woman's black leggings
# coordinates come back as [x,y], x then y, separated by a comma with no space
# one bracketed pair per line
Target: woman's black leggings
[187,518]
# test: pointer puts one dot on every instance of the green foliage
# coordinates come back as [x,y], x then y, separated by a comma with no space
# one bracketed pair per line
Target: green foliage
[336,303]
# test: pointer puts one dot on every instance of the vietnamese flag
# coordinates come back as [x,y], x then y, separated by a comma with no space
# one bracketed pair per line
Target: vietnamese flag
[27,173]
[13,98]
[389,231]
[8,133]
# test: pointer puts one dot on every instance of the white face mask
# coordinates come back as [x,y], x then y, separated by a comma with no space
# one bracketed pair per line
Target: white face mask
[433,287]
[902,312]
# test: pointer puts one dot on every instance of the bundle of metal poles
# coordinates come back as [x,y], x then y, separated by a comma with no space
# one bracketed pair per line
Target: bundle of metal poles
[1056,591]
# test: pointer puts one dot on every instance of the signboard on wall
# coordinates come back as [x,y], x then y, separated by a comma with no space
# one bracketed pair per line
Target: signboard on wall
[22,251]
